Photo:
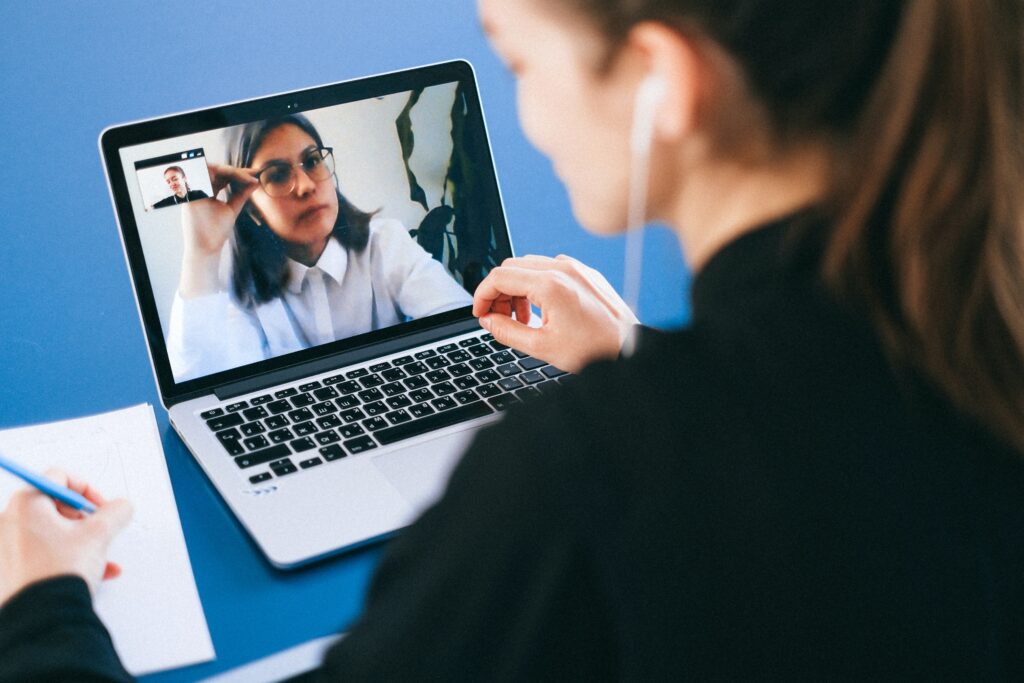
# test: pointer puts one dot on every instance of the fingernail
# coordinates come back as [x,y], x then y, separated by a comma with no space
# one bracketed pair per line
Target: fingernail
[485,322]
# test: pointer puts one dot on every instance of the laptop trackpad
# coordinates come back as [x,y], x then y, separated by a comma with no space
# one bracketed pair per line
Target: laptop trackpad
[420,472]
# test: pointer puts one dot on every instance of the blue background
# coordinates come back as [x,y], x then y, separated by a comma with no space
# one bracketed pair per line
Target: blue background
[70,339]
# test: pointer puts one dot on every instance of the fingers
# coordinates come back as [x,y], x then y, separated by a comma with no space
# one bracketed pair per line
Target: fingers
[111,518]
[505,283]
[111,571]
[512,333]
[239,198]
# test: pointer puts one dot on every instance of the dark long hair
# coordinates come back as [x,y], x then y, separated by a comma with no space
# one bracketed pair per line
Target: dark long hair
[924,101]
[260,264]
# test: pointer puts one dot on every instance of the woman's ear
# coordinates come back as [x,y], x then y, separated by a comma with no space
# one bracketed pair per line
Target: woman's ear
[674,61]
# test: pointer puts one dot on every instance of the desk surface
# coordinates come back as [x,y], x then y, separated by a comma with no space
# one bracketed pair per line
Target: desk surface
[70,339]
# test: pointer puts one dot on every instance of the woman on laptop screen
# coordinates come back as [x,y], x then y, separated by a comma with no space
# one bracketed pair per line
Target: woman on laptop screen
[307,266]
[821,477]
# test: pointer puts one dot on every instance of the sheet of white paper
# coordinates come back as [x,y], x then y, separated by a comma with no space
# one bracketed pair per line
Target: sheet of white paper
[152,610]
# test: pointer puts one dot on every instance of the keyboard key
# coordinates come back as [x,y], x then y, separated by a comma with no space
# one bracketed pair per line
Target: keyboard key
[358,372]
[531,363]
[214,412]
[435,376]
[460,370]
[444,403]
[260,400]
[303,444]
[527,394]
[503,402]
[285,393]
[257,478]
[466,382]
[447,348]
[415,368]
[420,409]
[346,402]
[281,435]
[547,387]
[278,407]
[397,417]
[277,421]
[283,467]
[552,371]
[481,363]
[233,446]
[371,381]
[334,452]
[255,442]
[325,393]
[325,408]
[432,422]
[256,413]
[225,421]
[350,415]
[394,374]
[444,388]
[420,355]
[380,366]
[334,379]
[466,397]
[460,356]
[496,345]
[229,434]
[487,337]
[421,395]
[393,389]
[401,360]
[486,376]
[302,400]
[509,369]
[304,428]
[301,415]
[312,462]
[437,362]
[375,423]
[400,401]
[472,341]
[328,421]
[328,437]
[375,408]
[519,354]
[488,390]
[416,382]
[260,457]
[359,444]
[348,387]
[531,377]
[509,383]
[349,431]
[503,357]
[479,350]
[309,386]
[371,395]
[252,429]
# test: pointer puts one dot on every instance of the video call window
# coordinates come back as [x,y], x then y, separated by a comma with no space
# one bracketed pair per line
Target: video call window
[173,179]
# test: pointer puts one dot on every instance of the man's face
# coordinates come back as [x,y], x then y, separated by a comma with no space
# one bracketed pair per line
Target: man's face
[175,181]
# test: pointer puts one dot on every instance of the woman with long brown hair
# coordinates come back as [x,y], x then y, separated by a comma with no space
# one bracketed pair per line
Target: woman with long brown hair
[821,476]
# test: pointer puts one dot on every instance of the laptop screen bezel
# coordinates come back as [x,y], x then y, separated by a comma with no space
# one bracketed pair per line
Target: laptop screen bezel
[113,139]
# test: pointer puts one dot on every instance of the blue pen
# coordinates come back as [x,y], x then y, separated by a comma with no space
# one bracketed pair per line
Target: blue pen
[50,488]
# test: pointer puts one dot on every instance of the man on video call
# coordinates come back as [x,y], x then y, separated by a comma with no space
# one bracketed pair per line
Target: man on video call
[180,193]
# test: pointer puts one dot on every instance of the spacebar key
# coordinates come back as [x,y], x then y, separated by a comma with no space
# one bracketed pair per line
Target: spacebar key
[432,422]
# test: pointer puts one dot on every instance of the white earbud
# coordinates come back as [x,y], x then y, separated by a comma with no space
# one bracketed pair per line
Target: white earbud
[645,108]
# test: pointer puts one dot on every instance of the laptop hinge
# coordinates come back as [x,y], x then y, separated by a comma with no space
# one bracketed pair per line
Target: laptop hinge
[358,355]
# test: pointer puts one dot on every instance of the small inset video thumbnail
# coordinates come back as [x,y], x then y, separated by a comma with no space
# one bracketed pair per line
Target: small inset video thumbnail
[174,179]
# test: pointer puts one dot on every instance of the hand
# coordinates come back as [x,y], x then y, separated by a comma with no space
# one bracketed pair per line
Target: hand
[40,538]
[207,225]
[582,317]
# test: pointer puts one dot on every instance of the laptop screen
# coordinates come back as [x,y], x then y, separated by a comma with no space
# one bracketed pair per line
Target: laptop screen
[269,232]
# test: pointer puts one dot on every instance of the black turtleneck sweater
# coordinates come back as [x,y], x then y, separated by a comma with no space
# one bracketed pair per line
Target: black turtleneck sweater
[760,495]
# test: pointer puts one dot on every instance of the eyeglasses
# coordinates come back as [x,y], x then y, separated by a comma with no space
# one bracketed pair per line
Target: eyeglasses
[278,179]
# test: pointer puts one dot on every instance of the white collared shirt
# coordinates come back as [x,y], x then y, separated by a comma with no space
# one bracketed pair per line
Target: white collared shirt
[345,293]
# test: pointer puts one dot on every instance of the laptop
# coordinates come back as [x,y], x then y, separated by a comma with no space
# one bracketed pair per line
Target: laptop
[315,349]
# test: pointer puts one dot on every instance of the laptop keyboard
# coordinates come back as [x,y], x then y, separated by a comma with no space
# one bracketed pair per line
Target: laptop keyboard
[354,411]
